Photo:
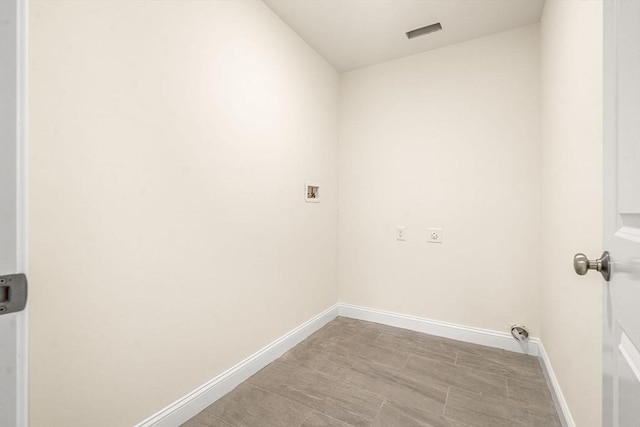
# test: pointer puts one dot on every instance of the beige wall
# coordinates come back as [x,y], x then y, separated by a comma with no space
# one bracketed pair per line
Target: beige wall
[169,236]
[571,46]
[179,135]
[448,138]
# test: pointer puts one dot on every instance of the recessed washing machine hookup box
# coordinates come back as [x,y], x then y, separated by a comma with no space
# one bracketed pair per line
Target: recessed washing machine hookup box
[312,192]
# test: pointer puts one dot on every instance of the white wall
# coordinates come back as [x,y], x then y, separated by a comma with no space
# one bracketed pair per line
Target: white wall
[448,138]
[571,43]
[169,236]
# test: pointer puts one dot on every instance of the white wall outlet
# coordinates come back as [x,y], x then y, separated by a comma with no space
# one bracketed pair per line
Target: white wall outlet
[400,232]
[435,235]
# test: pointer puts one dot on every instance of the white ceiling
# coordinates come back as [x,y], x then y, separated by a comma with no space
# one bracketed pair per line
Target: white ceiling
[356,33]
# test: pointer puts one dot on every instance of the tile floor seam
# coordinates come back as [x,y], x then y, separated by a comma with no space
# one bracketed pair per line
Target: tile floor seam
[285,397]
[266,391]
[490,397]
[444,407]
[339,380]
[473,371]
[385,400]
[404,362]
[380,396]
[225,421]
[305,419]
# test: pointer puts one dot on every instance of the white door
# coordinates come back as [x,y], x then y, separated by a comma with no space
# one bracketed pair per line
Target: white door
[13,400]
[621,393]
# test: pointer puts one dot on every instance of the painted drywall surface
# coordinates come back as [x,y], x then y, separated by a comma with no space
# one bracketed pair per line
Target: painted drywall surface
[170,143]
[450,139]
[571,57]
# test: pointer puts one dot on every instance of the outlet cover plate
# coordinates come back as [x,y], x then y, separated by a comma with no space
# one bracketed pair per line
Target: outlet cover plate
[435,235]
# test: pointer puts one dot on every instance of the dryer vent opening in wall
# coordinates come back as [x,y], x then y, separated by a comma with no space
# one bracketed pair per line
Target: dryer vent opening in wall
[424,30]
[520,333]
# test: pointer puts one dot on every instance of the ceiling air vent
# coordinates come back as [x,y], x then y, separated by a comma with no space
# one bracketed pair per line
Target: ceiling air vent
[424,30]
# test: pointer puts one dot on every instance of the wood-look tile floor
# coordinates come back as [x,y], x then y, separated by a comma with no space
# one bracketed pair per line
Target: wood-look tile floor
[355,373]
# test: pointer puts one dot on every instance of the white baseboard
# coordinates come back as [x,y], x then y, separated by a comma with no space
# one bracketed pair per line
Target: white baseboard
[554,385]
[452,331]
[190,405]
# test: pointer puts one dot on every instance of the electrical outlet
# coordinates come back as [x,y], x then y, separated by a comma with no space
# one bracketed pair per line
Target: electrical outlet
[400,232]
[435,235]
